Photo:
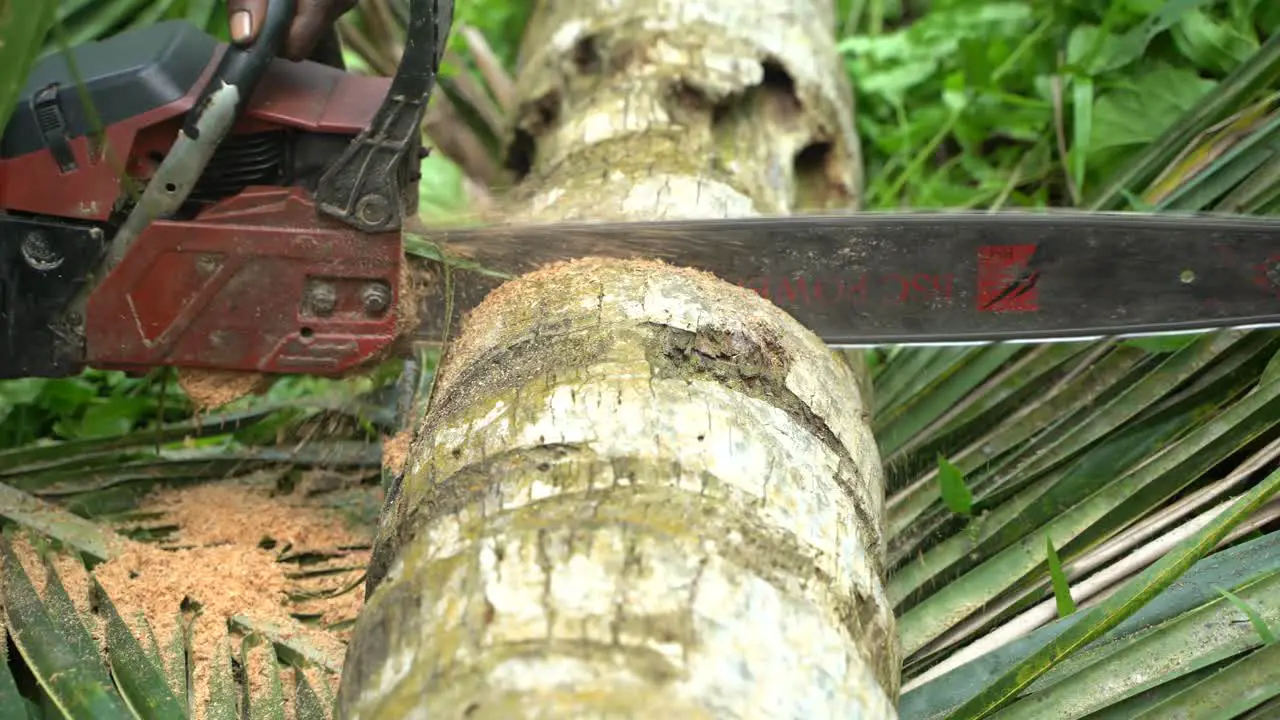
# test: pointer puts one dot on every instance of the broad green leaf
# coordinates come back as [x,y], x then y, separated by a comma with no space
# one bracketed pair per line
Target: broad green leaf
[1132,596]
[1236,90]
[76,682]
[1061,589]
[1138,112]
[1212,45]
[955,493]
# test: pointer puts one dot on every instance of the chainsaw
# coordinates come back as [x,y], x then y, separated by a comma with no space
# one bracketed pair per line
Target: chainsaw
[170,200]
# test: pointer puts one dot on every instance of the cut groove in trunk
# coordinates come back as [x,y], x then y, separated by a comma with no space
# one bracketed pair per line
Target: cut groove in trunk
[642,491]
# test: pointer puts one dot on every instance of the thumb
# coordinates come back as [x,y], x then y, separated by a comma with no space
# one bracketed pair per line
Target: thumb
[243,17]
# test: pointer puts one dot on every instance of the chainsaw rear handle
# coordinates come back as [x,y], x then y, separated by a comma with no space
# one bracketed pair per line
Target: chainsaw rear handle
[243,67]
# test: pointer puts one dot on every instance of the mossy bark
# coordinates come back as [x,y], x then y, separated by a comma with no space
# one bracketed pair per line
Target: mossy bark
[641,491]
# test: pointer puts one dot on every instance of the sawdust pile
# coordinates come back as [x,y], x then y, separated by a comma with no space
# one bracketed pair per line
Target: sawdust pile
[395,451]
[226,556]
[210,389]
[237,551]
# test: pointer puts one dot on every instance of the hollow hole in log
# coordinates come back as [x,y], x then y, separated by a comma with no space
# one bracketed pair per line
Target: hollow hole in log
[520,153]
[776,77]
[810,168]
[586,56]
[536,118]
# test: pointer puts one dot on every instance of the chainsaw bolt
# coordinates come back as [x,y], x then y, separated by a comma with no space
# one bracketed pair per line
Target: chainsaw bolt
[373,209]
[38,253]
[323,298]
[376,297]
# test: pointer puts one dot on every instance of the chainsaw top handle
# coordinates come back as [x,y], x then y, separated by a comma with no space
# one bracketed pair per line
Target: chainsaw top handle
[243,66]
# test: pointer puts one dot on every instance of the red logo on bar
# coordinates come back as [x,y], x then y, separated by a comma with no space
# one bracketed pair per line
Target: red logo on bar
[1005,283]
[1267,274]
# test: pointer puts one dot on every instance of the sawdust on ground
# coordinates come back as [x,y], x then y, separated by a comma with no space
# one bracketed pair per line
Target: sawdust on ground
[395,451]
[226,558]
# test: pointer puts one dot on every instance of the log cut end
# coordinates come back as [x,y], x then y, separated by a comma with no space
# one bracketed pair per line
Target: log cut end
[640,491]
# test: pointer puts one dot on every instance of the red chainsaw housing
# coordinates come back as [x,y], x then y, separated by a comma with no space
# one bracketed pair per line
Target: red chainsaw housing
[230,285]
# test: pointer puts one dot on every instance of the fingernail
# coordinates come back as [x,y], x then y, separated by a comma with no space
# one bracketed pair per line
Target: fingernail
[241,25]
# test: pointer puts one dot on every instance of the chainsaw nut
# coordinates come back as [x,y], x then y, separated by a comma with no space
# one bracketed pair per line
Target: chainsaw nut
[323,298]
[38,253]
[376,297]
[373,209]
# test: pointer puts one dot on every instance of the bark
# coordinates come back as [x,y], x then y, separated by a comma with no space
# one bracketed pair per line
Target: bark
[641,491]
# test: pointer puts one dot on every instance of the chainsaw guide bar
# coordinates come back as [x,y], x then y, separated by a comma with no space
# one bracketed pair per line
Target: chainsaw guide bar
[259,226]
[929,278]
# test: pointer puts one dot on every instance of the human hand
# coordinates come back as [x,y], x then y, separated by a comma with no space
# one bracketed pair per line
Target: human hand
[312,19]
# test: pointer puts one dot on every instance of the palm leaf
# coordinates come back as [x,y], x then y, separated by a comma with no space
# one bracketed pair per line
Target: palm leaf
[56,647]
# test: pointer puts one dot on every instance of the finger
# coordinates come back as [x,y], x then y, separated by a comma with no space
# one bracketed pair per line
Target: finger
[309,23]
[243,18]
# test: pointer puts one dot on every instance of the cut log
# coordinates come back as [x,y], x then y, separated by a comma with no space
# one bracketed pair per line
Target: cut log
[641,491]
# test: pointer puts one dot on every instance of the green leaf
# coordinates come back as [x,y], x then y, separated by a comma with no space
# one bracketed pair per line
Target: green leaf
[113,417]
[1180,613]
[1082,102]
[1271,372]
[12,705]
[1110,612]
[257,658]
[955,493]
[1214,46]
[1264,632]
[1153,481]
[1238,89]
[1241,686]
[75,681]
[24,24]
[221,704]
[1161,344]
[139,677]
[1140,110]
[1061,590]
[307,702]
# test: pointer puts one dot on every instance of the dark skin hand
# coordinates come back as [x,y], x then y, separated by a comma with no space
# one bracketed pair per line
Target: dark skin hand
[312,19]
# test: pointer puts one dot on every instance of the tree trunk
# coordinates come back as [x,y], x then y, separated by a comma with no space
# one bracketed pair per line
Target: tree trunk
[641,491]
